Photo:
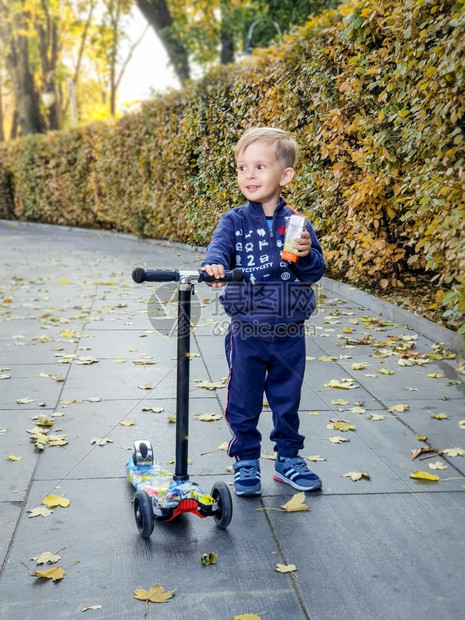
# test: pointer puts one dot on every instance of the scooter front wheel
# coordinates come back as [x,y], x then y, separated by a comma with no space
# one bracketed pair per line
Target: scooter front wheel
[222,497]
[143,514]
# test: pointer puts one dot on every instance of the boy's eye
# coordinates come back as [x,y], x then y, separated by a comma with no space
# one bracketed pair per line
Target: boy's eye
[260,166]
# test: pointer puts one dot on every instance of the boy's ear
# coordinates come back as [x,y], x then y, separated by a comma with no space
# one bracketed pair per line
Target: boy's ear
[288,175]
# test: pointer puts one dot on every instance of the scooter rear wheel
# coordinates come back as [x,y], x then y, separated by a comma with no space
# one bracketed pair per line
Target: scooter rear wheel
[143,514]
[222,497]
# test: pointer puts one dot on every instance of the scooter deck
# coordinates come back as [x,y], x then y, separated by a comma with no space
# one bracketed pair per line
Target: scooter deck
[169,497]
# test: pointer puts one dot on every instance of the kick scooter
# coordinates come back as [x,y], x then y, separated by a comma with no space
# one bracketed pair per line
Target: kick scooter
[161,495]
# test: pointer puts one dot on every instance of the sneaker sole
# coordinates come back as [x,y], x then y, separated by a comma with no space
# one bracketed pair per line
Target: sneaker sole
[279,478]
[248,493]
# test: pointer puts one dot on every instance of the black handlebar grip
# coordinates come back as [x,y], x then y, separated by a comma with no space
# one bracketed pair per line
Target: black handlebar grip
[140,275]
[235,275]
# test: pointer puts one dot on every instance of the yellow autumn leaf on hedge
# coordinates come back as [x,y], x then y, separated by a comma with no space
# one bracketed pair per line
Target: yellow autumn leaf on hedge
[424,475]
[296,503]
[53,501]
[56,573]
[156,594]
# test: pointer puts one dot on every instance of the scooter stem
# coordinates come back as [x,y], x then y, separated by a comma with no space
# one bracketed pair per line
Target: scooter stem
[185,290]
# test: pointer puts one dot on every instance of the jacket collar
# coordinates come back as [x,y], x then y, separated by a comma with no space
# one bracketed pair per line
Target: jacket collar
[256,207]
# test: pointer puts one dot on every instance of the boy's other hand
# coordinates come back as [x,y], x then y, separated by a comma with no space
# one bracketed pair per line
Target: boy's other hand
[303,245]
[217,271]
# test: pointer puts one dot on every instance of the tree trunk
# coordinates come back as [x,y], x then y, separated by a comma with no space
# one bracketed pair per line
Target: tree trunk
[227,44]
[156,12]
[2,131]
[226,35]
[48,49]
[17,64]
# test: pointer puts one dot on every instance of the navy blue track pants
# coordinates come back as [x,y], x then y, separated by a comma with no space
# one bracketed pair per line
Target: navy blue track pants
[259,364]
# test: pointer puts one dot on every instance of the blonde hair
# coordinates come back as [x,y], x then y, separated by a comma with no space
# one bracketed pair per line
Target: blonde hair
[285,146]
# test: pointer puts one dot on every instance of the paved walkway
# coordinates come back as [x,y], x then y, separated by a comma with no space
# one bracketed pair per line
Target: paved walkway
[72,326]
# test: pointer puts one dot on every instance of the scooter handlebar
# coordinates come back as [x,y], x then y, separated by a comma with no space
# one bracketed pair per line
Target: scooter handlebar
[140,275]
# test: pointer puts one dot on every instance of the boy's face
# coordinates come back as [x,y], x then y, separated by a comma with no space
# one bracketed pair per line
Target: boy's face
[261,175]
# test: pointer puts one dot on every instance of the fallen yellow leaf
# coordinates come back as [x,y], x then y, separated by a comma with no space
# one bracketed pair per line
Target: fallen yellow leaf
[438,416]
[270,457]
[128,423]
[437,465]
[156,594]
[208,385]
[101,441]
[337,439]
[424,475]
[208,417]
[40,511]
[399,408]
[345,384]
[315,458]
[56,573]
[53,501]
[47,557]
[285,568]
[341,426]
[14,458]
[454,451]
[356,475]
[296,503]
[385,371]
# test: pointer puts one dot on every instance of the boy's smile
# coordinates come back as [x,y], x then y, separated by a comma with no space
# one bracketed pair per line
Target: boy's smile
[261,175]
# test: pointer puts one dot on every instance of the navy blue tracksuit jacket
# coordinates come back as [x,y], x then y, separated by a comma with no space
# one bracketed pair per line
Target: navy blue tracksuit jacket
[265,343]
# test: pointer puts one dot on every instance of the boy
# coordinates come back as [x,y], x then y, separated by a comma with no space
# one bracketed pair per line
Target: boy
[265,343]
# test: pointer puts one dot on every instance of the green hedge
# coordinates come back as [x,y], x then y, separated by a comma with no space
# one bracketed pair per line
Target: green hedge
[374,93]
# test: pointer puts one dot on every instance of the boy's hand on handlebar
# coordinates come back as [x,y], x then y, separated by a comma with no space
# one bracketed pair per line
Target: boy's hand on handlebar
[217,271]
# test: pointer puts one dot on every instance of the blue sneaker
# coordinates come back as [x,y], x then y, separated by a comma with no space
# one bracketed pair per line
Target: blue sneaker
[247,478]
[295,472]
